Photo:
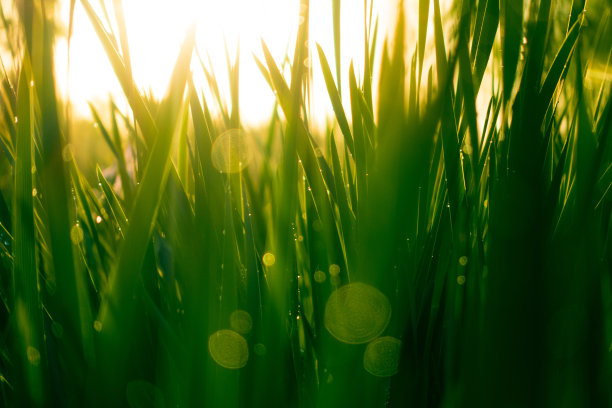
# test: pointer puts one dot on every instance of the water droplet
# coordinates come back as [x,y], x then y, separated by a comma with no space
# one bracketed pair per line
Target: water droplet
[98,219]
[320,276]
[260,349]
[460,279]
[357,313]
[241,321]
[76,234]
[381,357]
[230,151]
[34,192]
[16,119]
[98,326]
[33,355]
[67,153]
[334,270]
[269,259]
[463,260]
[229,349]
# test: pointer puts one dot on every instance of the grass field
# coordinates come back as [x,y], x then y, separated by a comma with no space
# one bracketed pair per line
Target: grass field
[428,249]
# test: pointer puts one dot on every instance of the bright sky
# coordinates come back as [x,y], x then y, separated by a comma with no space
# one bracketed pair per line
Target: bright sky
[156,28]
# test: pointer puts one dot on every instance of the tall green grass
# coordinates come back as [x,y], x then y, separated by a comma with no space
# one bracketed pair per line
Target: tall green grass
[426,250]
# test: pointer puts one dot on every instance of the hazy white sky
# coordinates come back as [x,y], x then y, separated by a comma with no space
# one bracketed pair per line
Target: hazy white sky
[156,29]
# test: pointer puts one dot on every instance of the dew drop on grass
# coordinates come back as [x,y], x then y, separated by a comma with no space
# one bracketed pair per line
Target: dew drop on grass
[334,270]
[76,234]
[34,192]
[269,259]
[67,153]
[460,279]
[463,260]
[230,152]
[320,276]
[356,313]
[229,349]
[98,326]
[381,357]
[33,355]
[241,321]
[98,219]
[141,394]
[260,349]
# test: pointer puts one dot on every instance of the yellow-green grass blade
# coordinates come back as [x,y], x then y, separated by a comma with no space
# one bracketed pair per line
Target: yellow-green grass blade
[126,181]
[361,164]
[141,112]
[310,163]
[27,307]
[440,46]
[336,101]
[511,26]
[107,138]
[485,36]
[113,202]
[422,35]
[155,173]
[118,308]
[336,5]
[557,69]
[101,255]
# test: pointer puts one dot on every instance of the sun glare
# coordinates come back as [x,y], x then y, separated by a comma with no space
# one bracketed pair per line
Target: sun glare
[156,29]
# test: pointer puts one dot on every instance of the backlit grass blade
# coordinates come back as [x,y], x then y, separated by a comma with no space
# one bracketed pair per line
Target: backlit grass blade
[29,340]
[555,73]
[511,25]
[422,36]
[485,35]
[308,156]
[441,61]
[111,144]
[113,202]
[124,277]
[141,113]
[360,146]
[337,51]
[334,96]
